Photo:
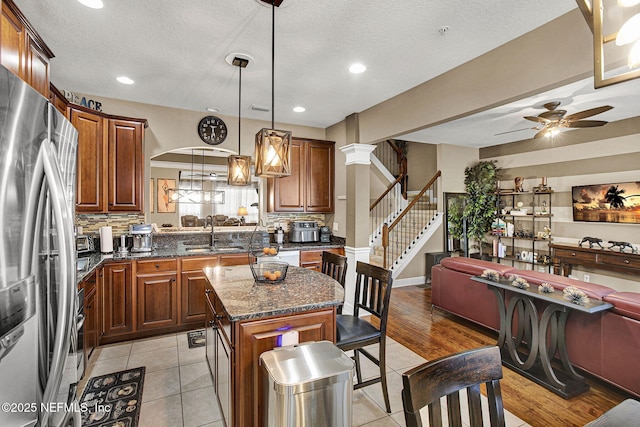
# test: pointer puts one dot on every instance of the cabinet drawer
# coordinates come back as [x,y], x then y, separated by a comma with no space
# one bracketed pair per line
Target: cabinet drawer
[623,261]
[581,256]
[155,265]
[234,259]
[310,256]
[197,264]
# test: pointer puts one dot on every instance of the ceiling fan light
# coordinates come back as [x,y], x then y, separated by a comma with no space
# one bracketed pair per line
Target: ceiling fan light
[634,55]
[630,31]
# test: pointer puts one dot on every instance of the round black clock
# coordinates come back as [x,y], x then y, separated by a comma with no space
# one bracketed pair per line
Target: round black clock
[212,130]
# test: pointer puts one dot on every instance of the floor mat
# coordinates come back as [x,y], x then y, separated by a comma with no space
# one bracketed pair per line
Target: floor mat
[113,399]
[196,338]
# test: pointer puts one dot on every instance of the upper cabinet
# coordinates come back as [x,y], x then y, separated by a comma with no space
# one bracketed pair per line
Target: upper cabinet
[110,162]
[22,51]
[310,187]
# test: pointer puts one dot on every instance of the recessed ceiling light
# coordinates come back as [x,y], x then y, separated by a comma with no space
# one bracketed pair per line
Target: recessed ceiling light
[212,109]
[299,109]
[357,68]
[93,4]
[125,80]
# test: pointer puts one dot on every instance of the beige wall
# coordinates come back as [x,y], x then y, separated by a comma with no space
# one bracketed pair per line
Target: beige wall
[603,155]
[422,164]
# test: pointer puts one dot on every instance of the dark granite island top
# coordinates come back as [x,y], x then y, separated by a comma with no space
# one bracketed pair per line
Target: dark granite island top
[244,299]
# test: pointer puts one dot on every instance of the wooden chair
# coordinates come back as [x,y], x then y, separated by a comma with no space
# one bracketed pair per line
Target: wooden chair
[447,376]
[373,290]
[335,266]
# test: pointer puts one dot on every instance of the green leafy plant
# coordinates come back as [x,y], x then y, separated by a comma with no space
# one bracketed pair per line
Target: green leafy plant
[478,208]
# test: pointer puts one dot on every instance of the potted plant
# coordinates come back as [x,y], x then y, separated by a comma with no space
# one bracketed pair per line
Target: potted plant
[472,218]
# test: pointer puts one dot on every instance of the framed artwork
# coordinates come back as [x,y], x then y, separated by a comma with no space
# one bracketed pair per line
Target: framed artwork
[619,202]
[165,205]
[152,189]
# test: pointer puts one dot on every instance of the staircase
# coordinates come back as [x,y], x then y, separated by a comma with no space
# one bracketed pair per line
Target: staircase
[402,223]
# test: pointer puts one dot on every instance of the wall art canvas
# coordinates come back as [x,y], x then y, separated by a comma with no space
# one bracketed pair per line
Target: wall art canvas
[619,202]
[165,205]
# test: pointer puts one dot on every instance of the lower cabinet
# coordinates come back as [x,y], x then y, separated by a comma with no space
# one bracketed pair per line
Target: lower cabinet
[252,338]
[157,289]
[312,259]
[90,330]
[140,298]
[117,298]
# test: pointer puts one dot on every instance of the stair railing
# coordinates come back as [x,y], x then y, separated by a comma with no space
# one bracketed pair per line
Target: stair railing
[386,207]
[412,222]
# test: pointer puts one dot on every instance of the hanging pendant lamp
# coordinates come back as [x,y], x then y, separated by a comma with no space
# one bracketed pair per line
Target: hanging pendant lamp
[273,147]
[239,166]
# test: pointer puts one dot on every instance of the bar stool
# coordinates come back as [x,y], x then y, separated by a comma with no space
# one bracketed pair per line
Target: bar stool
[335,266]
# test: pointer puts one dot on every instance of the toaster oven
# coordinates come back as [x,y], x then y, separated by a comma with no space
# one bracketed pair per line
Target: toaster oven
[84,244]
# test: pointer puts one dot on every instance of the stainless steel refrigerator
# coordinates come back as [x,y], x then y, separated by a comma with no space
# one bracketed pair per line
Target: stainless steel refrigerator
[38,292]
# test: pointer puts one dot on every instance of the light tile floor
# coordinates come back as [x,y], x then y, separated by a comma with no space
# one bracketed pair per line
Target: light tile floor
[178,388]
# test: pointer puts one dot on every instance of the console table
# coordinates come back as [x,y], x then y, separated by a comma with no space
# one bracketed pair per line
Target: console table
[565,256]
[528,342]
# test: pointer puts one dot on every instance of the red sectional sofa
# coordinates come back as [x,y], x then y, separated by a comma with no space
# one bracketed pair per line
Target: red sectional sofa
[606,345]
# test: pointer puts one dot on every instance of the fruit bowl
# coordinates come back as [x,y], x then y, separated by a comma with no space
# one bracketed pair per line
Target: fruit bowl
[269,272]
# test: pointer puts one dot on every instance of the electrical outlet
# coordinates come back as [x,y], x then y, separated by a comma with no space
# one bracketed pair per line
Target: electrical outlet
[335,226]
[586,278]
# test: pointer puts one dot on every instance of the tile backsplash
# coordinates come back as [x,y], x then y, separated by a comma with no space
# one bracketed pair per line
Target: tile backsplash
[91,223]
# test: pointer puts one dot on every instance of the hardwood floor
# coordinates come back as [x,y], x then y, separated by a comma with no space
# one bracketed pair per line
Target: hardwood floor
[410,323]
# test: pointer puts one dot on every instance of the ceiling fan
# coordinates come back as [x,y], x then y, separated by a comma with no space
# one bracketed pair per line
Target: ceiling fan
[553,119]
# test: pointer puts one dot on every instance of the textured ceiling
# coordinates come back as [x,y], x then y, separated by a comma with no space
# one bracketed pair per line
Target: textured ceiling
[175,50]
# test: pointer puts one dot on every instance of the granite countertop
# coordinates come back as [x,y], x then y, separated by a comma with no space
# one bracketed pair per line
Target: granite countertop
[88,263]
[244,299]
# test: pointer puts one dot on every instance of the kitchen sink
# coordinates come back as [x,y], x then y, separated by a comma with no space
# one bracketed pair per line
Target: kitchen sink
[209,249]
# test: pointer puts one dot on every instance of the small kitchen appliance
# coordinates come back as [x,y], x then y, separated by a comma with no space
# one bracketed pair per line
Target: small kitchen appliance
[304,231]
[325,234]
[84,244]
[142,238]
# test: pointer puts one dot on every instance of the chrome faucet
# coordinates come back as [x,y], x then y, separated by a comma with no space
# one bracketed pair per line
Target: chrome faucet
[213,240]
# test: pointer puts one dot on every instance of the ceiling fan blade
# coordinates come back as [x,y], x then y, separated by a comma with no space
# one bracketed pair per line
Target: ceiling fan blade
[540,134]
[588,113]
[553,115]
[586,124]
[538,119]
[512,131]
[551,105]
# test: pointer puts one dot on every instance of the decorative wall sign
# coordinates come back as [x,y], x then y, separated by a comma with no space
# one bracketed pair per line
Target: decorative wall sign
[82,100]
[618,202]
[165,204]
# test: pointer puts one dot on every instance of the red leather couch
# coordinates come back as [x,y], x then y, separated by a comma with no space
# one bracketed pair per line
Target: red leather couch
[606,345]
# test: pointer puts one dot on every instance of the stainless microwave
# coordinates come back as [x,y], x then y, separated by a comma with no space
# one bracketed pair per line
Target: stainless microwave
[84,244]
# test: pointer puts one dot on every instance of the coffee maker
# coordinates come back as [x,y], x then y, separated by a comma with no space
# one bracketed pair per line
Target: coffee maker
[142,238]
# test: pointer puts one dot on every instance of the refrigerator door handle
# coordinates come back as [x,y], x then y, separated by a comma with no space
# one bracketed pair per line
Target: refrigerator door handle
[66,299]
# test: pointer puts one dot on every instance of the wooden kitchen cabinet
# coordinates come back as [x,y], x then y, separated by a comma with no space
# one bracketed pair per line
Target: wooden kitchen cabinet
[91,164]
[58,100]
[312,259]
[90,330]
[257,336]
[310,187]
[22,51]
[157,294]
[110,162]
[117,299]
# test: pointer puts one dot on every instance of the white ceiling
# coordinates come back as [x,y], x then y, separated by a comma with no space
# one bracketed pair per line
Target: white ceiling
[175,52]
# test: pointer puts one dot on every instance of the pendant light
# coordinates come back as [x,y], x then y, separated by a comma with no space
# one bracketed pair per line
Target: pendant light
[273,147]
[239,166]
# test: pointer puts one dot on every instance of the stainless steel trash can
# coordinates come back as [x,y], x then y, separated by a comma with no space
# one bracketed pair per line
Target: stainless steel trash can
[307,385]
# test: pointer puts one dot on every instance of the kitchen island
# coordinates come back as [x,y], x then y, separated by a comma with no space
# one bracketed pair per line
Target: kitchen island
[246,318]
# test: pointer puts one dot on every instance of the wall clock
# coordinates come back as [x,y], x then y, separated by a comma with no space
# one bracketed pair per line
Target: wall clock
[212,130]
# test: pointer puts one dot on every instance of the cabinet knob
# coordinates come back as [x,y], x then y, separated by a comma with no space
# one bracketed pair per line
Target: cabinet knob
[208,291]
[626,261]
[157,265]
[573,254]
